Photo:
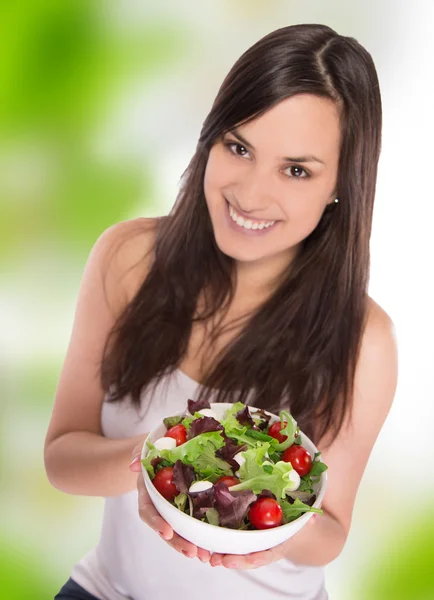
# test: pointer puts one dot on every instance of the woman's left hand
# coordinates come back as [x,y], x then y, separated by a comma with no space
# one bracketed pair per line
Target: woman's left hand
[254,559]
[248,561]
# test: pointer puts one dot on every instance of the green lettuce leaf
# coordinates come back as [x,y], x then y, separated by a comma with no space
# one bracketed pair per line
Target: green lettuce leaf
[209,466]
[187,421]
[314,475]
[190,451]
[212,516]
[293,511]
[290,430]
[181,501]
[146,462]
[258,474]
[171,421]
[253,465]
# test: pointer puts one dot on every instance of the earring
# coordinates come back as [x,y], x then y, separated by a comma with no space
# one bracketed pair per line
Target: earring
[336,200]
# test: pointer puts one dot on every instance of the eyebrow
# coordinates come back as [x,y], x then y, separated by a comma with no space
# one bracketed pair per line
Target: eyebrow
[301,159]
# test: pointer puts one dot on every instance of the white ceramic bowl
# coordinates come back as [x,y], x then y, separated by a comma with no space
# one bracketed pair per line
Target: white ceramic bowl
[223,539]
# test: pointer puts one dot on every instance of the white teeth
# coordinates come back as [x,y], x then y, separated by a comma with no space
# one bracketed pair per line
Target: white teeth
[248,224]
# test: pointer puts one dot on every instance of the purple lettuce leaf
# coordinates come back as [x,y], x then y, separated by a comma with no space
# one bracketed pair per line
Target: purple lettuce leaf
[267,494]
[228,451]
[183,476]
[265,419]
[195,406]
[202,501]
[305,497]
[244,417]
[203,425]
[232,507]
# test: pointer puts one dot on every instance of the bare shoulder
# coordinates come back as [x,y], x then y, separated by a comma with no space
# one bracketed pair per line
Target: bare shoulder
[129,249]
[379,348]
[378,318]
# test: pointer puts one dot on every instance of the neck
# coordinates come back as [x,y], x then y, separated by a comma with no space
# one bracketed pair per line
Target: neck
[257,280]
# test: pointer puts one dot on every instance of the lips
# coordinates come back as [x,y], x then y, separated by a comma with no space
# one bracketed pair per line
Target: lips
[247,217]
[242,230]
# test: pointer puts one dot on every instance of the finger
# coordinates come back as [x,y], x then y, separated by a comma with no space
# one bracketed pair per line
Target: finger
[203,555]
[312,519]
[265,557]
[216,559]
[254,559]
[237,561]
[182,545]
[136,464]
[137,450]
[260,559]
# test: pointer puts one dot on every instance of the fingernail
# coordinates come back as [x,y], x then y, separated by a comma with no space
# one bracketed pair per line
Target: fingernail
[216,562]
[186,553]
[135,460]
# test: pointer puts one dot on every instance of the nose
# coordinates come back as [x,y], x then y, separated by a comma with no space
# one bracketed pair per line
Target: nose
[255,195]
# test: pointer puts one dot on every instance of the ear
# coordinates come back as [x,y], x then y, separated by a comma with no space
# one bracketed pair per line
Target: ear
[332,199]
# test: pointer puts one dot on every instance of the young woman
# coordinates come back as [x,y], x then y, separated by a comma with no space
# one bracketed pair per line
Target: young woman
[253,288]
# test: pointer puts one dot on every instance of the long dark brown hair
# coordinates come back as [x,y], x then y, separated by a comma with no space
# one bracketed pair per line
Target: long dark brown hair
[298,350]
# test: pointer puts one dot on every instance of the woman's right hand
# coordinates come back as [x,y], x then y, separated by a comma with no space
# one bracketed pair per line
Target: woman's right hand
[149,514]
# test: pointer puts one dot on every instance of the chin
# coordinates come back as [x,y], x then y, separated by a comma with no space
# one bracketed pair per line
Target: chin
[234,251]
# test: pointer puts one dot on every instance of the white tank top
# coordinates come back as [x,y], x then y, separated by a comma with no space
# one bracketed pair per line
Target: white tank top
[131,560]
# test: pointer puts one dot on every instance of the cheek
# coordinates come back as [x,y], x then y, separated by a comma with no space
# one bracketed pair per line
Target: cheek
[217,172]
[309,202]
[208,184]
[215,180]
[303,217]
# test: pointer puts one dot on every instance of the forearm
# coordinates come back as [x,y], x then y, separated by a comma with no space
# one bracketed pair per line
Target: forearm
[316,544]
[85,463]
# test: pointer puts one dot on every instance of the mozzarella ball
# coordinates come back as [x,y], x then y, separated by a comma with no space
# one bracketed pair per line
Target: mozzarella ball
[239,458]
[200,486]
[208,412]
[165,443]
[294,480]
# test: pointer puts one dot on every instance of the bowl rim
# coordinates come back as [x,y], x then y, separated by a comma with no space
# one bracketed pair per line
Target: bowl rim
[299,520]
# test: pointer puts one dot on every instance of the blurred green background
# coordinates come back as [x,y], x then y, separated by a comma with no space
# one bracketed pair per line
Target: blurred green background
[101,104]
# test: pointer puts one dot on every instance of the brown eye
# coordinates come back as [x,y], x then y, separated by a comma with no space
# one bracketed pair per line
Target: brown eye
[296,172]
[229,145]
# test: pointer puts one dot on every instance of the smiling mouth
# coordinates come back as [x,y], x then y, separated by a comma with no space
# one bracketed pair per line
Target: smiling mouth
[266,223]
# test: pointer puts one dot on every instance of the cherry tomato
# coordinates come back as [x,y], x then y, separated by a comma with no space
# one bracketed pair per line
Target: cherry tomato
[274,431]
[163,483]
[228,480]
[299,458]
[265,513]
[178,433]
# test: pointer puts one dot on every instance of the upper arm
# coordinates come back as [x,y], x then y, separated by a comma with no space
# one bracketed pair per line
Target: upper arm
[104,292]
[374,389]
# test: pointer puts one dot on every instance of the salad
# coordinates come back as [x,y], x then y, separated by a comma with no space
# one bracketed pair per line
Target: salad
[239,472]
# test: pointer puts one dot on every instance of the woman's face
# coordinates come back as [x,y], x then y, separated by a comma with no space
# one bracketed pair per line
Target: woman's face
[281,168]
